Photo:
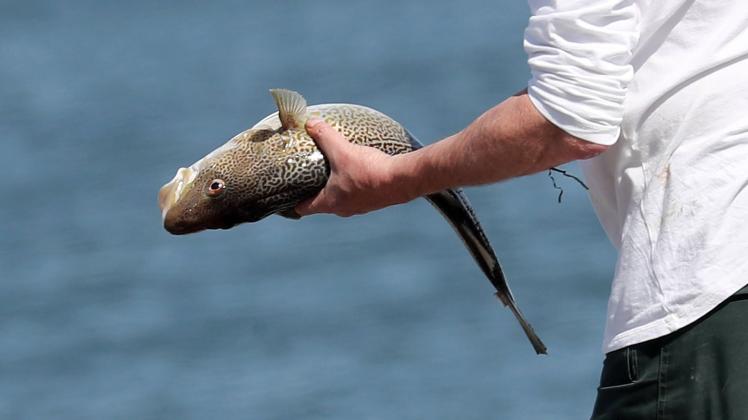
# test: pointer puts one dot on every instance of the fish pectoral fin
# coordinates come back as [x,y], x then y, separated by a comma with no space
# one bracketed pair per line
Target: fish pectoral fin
[291,108]
[289,213]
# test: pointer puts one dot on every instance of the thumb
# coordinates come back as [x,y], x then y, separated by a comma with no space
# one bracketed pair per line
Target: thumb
[311,205]
[328,139]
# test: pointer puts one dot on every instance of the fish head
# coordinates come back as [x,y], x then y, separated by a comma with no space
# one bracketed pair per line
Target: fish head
[264,170]
[221,190]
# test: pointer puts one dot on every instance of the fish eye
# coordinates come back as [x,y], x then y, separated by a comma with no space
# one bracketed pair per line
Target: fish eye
[216,187]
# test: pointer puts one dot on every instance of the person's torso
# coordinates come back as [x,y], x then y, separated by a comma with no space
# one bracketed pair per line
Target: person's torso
[671,193]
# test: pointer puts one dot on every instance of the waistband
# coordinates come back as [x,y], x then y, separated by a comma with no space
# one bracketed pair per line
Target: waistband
[742,292]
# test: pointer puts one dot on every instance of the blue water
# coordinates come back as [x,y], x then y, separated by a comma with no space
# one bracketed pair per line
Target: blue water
[103,315]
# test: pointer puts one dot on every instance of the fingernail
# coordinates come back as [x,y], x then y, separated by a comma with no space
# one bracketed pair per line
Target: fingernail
[313,122]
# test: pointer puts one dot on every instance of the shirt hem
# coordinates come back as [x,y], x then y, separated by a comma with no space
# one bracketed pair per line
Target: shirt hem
[671,323]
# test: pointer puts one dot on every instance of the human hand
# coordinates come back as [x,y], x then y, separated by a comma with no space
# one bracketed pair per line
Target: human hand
[361,178]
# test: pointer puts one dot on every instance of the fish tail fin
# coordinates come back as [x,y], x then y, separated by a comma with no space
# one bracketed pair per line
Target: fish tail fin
[453,205]
[536,342]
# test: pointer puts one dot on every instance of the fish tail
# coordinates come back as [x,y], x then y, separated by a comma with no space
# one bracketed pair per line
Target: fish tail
[536,342]
[453,205]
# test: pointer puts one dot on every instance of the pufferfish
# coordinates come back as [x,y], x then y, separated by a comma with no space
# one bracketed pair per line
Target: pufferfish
[274,165]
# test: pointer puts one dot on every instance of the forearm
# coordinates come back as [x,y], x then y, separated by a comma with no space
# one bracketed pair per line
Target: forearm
[509,140]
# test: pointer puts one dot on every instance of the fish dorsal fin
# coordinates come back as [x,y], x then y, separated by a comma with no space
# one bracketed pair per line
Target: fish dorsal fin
[291,108]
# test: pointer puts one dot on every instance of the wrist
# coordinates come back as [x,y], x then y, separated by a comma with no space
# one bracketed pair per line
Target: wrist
[407,179]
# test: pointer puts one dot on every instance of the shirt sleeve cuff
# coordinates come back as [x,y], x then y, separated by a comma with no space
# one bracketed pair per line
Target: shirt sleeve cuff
[606,136]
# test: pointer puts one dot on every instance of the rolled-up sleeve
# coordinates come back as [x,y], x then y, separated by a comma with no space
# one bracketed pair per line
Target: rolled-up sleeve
[579,53]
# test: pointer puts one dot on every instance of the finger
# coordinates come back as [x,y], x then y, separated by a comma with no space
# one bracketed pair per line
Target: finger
[311,205]
[328,139]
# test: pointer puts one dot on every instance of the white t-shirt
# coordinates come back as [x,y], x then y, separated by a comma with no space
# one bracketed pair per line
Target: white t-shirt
[666,83]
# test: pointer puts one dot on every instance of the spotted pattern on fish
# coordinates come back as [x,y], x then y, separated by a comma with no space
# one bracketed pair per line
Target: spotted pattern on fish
[287,165]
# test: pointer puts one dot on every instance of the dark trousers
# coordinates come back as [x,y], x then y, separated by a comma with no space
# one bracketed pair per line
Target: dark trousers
[698,372]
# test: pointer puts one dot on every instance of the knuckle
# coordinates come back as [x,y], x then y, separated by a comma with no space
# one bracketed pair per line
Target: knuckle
[322,128]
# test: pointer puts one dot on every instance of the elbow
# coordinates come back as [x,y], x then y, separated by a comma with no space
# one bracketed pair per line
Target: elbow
[570,147]
[559,132]
[582,149]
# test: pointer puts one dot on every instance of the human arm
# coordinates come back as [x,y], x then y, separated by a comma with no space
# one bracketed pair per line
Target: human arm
[579,53]
[511,139]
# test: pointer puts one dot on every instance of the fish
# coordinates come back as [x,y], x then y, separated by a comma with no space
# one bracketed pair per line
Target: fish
[271,167]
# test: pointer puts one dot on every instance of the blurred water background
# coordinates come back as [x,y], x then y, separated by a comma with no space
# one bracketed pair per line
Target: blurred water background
[103,315]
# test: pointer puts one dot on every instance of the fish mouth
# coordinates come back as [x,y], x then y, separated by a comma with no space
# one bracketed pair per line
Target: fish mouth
[176,227]
[176,224]
[170,193]
[168,197]
[180,228]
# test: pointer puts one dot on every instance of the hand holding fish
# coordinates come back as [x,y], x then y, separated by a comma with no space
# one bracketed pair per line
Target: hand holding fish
[361,178]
